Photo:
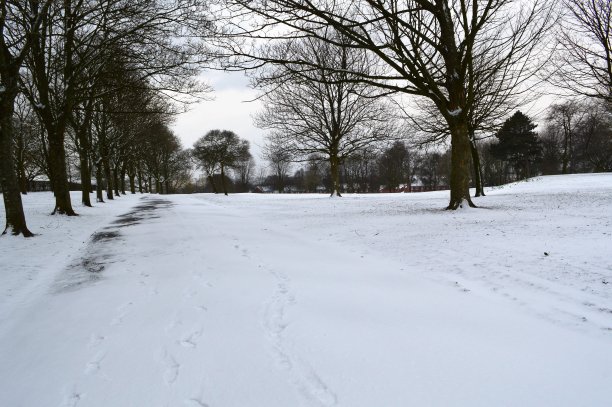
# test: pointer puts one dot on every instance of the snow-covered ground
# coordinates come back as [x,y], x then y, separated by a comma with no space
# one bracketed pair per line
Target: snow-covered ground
[302,300]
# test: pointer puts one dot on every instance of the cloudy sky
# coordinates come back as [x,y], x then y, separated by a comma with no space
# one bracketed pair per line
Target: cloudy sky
[232,108]
[229,110]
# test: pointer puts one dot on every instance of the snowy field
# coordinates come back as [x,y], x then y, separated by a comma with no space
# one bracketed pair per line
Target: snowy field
[302,300]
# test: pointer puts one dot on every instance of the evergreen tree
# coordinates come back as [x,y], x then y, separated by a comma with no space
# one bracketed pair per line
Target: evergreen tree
[518,145]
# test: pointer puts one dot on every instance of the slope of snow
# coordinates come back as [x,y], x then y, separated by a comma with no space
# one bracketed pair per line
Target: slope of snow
[303,300]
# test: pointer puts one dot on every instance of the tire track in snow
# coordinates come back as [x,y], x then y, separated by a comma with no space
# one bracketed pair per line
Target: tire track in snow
[560,304]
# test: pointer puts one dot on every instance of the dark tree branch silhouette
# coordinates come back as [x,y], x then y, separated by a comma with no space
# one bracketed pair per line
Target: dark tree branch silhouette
[424,48]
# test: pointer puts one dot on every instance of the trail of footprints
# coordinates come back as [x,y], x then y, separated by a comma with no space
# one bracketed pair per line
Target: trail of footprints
[302,376]
[186,339]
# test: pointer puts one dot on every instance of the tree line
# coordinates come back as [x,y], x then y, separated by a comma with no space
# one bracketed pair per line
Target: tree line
[100,81]
[576,137]
[455,71]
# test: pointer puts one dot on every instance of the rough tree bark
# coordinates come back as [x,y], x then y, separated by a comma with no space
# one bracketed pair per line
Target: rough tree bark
[460,167]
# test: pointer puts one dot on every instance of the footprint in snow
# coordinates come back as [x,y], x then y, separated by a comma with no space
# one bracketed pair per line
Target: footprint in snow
[190,340]
[195,403]
[72,400]
[95,340]
[172,370]
[122,314]
[189,293]
[118,319]
[94,365]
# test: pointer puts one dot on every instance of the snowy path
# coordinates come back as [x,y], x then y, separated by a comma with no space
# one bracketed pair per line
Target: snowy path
[222,302]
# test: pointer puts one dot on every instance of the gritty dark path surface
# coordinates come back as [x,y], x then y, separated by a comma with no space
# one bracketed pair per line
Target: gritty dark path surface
[98,251]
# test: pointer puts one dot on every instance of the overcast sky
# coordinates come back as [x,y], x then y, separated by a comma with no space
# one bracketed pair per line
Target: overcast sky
[229,110]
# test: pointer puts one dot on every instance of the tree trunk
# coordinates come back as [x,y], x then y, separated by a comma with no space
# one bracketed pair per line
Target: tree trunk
[122,181]
[223,180]
[85,178]
[99,195]
[460,167]
[57,169]
[132,184]
[139,181]
[116,181]
[565,155]
[477,168]
[23,181]
[334,167]
[83,149]
[109,179]
[211,178]
[13,206]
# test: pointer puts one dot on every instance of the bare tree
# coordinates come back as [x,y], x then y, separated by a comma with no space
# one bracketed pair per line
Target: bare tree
[29,158]
[577,137]
[396,166]
[67,58]
[280,159]
[328,111]
[423,47]
[360,170]
[20,23]
[584,65]
[565,118]
[244,168]
[221,149]
[497,83]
